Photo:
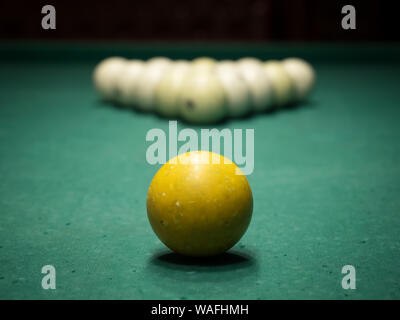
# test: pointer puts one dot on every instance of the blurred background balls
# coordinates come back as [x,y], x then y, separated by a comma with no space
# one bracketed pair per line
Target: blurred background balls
[281,82]
[127,82]
[258,82]
[236,90]
[204,90]
[151,75]
[202,99]
[169,88]
[302,75]
[105,76]
[204,64]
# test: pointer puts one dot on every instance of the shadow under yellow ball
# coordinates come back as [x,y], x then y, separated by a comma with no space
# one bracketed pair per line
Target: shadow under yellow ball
[199,204]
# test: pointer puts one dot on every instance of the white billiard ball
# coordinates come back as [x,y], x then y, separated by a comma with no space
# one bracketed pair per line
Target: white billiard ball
[149,79]
[302,75]
[249,61]
[169,88]
[160,62]
[128,81]
[258,82]
[202,99]
[105,75]
[227,63]
[204,64]
[236,91]
[282,85]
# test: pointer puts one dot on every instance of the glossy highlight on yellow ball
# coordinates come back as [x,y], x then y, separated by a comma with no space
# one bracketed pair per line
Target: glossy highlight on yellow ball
[198,204]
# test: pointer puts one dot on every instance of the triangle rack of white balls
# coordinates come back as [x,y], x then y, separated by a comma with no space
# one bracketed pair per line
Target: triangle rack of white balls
[204,90]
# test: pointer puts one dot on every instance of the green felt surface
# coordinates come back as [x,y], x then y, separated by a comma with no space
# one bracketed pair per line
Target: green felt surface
[74,178]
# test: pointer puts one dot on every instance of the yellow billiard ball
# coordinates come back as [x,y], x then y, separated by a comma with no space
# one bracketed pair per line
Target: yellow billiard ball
[199,204]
